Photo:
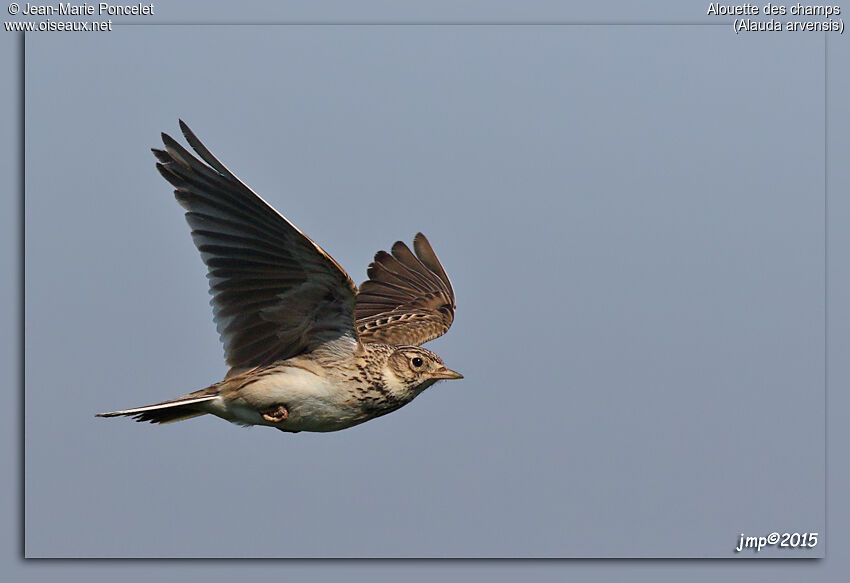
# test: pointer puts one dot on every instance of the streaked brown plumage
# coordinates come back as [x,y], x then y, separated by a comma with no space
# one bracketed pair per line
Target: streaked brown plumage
[408,299]
[307,350]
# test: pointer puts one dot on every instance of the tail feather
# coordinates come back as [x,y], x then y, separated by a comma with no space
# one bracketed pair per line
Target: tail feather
[167,411]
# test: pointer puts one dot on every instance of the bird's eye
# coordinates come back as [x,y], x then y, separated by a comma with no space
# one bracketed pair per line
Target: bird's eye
[416,362]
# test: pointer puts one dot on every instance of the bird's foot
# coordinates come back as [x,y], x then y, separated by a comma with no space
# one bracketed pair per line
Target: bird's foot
[275,414]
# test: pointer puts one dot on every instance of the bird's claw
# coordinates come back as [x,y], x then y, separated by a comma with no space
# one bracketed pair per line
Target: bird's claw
[275,414]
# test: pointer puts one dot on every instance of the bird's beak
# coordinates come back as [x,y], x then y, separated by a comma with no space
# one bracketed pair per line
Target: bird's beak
[445,373]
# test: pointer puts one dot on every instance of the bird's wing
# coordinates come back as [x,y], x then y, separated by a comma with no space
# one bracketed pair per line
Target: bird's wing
[275,292]
[408,299]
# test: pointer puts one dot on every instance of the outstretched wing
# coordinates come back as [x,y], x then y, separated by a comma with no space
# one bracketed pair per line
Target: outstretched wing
[275,292]
[408,299]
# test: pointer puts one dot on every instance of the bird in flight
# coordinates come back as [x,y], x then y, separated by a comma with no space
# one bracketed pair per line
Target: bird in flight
[308,351]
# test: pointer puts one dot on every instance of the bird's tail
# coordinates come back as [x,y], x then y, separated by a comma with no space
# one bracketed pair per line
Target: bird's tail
[178,409]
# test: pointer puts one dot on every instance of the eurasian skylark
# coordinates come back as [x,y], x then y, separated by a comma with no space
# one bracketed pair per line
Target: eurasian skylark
[308,351]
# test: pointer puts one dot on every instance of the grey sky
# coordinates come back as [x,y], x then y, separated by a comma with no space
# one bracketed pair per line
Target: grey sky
[633,226]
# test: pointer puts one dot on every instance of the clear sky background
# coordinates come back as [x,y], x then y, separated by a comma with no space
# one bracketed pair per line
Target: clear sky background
[633,220]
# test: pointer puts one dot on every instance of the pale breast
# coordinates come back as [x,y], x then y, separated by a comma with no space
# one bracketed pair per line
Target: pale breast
[313,402]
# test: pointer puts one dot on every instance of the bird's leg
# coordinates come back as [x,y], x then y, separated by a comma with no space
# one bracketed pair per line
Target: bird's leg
[275,414]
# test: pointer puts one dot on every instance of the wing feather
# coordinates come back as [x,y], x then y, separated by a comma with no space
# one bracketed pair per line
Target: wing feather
[275,292]
[408,298]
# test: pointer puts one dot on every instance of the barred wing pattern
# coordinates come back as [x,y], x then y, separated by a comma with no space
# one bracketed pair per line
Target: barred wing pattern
[408,299]
[276,294]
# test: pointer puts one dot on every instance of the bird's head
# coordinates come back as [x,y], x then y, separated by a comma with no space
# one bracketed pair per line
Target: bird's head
[415,369]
